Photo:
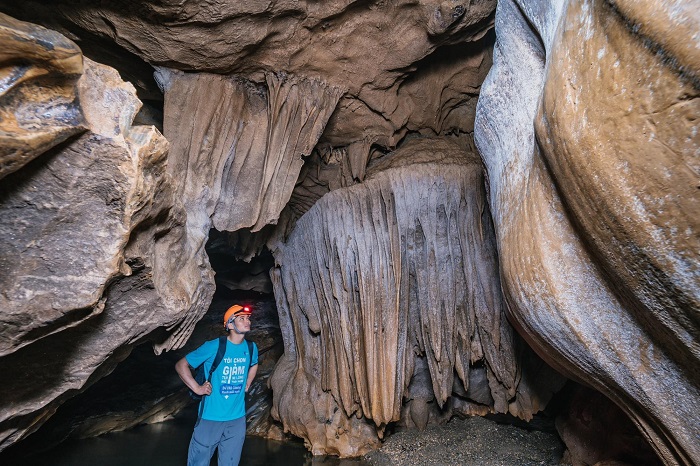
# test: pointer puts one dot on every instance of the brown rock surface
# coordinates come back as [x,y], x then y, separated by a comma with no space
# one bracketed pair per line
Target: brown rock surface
[78,277]
[597,432]
[386,277]
[406,65]
[596,205]
[39,70]
[66,218]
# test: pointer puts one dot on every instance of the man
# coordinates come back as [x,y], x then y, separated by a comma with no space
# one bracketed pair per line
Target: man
[222,408]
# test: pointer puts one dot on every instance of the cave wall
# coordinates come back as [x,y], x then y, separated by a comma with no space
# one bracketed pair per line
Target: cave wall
[41,68]
[587,124]
[76,275]
[104,236]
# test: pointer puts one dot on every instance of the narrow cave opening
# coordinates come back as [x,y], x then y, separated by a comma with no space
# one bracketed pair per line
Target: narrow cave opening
[143,389]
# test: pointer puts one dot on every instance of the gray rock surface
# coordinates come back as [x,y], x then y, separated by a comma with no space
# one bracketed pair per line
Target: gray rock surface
[470,442]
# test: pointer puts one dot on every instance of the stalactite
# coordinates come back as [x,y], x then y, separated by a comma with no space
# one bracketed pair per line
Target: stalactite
[236,152]
[239,147]
[399,267]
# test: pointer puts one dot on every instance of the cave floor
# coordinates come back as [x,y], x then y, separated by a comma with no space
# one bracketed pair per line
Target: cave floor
[471,441]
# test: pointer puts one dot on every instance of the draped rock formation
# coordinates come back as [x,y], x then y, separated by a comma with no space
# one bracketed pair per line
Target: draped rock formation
[587,124]
[236,151]
[389,282]
[239,146]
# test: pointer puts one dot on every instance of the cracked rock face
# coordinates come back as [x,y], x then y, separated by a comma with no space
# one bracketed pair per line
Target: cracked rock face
[587,124]
[388,291]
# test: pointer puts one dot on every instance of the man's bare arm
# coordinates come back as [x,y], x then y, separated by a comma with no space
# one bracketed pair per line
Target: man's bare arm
[251,375]
[182,367]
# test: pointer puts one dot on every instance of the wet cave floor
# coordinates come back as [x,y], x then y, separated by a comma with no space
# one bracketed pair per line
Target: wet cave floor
[471,441]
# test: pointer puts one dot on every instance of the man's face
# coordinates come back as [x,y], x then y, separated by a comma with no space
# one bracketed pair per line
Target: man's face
[242,323]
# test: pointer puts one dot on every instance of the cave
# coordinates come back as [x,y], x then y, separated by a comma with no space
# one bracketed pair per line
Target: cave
[445,216]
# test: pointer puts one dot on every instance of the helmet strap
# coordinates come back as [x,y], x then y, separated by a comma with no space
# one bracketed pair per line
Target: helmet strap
[235,328]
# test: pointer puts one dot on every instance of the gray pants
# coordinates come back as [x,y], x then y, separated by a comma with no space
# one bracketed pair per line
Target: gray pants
[207,435]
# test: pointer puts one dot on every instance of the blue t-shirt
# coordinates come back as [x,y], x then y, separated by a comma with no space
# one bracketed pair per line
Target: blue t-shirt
[227,399]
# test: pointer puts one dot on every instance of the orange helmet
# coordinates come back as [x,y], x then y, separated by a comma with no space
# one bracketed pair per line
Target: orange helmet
[235,311]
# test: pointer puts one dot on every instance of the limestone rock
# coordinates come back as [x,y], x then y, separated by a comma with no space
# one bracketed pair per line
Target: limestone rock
[67,218]
[376,278]
[406,65]
[239,147]
[39,70]
[587,124]
[78,287]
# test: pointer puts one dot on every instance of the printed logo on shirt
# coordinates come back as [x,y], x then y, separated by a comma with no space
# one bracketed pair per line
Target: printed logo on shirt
[234,360]
[228,389]
[233,375]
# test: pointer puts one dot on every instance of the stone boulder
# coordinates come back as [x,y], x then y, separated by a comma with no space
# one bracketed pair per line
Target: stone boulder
[587,125]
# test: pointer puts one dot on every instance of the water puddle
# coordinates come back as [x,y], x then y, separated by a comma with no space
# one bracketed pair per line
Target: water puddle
[165,444]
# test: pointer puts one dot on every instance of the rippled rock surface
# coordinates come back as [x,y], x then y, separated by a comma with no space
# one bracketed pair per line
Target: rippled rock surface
[587,124]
